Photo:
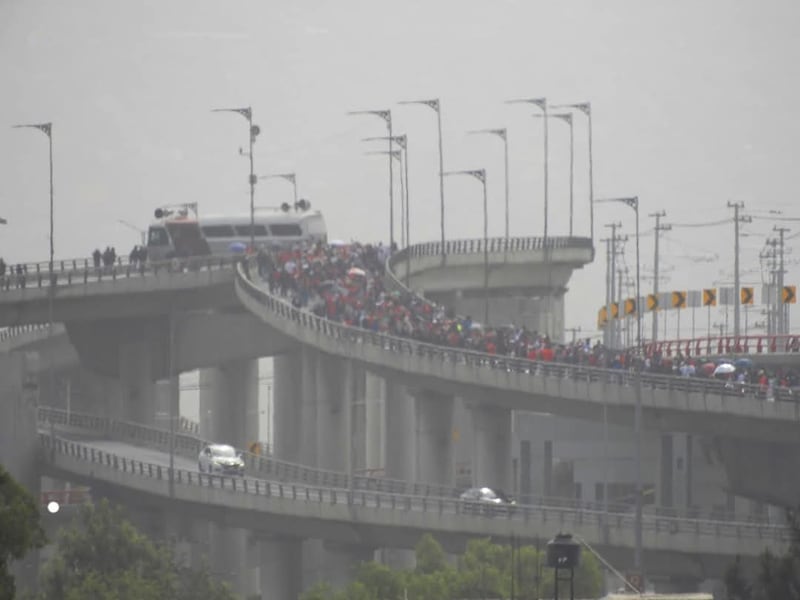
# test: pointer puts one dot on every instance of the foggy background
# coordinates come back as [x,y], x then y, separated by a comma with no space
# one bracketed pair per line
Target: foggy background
[693,103]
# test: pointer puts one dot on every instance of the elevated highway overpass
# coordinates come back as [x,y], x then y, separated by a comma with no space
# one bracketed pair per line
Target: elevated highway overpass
[321,361]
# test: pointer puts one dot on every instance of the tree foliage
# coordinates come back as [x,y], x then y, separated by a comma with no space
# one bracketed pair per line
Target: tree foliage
[776,576]
[20,529]
[103,556]
[483,571]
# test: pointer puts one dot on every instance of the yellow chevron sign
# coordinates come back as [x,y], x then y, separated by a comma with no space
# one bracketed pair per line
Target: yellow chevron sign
[710,297]
[630,306]
[678,299]
[652,302]
[789,294]
[602,317]
[746,294]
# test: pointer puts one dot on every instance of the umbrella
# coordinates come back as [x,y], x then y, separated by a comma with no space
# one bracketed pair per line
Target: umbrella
[743,363]
[356,272]
[337,243]
[237,247]
[724,369]
[708,368]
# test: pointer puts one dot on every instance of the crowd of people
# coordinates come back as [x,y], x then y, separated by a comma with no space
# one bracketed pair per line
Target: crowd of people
[345,283]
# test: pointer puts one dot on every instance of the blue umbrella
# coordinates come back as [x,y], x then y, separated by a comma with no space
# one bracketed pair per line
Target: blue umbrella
[743,363]
[237,247]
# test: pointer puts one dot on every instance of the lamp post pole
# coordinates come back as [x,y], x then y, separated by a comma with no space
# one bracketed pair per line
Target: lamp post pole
[436,106]
[503,135]
[47,129]
[586,108]
[567,118]
[290,177]
[386,115]
[142,232]
[480,175]
[254,130]
[402,141]
[633,202]
[398,156]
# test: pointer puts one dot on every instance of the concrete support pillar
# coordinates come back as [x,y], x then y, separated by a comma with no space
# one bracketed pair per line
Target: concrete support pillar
[666,474]
[228,556]
[96,394]
[399,445]
[308,407]
[675,470]
[280,569]
[491,446]
[287,393]
[200,538]
[334,388]
[547,475]
[332,563]
[167,392]
[375,415]
[434,438]
[525,487]
[136,376]
[229,403]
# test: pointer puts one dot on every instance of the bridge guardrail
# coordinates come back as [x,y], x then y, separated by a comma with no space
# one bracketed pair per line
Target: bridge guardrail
[77,271]
[736,346]
[471,358]
[52,446]
[189,445]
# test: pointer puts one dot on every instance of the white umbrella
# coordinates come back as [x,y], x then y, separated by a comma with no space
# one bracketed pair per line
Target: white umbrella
[356,272]
[337,243]
[725,369]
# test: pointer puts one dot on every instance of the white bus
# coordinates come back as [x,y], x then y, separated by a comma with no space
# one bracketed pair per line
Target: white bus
[179,232]
[272,228]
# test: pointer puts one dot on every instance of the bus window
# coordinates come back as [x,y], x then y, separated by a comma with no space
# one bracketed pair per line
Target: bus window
[260,230]
[286,230]
[157,236]
[187,239]
[217,231]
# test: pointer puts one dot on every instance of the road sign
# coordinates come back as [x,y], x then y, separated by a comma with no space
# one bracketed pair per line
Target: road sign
[652,302]
[710,297]
[630,306]
[635,580]
[678,299]
[789,294]
[746,294]
[614,310]
[602,317]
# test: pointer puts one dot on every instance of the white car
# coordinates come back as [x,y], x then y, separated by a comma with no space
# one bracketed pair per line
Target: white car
[220,458]
[487,501]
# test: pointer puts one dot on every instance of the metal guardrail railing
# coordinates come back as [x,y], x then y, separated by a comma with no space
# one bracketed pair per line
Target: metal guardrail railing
[189,445]
[743,345]
[81,271]
[53,446]
[397,346]
[13,331]
[514,244]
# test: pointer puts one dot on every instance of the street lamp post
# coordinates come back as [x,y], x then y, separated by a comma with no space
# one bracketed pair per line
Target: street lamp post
[290,177]
[503,135]
[386,115]
[405,222]
[142,232]
[542,104]
[567,118]
[480,175]
[47,129]
[435,105]
[633,202]
[398,156]
[247,113]
[586,108]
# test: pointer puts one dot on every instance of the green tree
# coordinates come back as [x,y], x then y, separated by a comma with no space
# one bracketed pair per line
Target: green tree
[20,529]
[429,555]
[104,557]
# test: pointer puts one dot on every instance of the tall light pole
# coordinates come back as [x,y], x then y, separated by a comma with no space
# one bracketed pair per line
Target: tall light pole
[480,175]
[542,104]
[142,232]
[503,135]
[47,129]
[386,115]
[658,229]
[633,202]
[567,118]
[290,177]
[402,141]
[398,156]
[436,106]
[586,108]
[254,130]
[736,206]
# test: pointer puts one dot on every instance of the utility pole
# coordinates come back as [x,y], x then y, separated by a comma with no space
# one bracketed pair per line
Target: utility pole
[607,329]
[611,325]
[659,228]
[770,255]
[782,308]
[736,206]
[574,331]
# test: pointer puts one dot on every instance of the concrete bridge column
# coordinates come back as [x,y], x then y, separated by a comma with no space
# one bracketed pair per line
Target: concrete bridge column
[137,379]
[280,568]
[229,403]
[167,392]
[287,395]
[334,387]
[675,470]
[491,447]
[399,425]
[228,556]
[332,563]
[434,437]
[308,407]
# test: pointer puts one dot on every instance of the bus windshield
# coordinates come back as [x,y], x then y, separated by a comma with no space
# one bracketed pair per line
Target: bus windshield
[187,239]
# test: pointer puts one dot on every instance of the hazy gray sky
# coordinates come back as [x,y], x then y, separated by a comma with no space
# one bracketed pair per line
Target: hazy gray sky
[694,105]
